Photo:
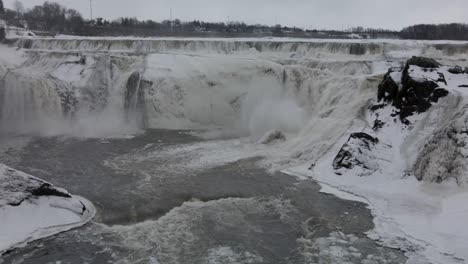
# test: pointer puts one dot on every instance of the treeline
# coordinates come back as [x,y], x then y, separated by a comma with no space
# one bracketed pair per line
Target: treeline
[54,18]
[452,31]
[49,16]
[192,26]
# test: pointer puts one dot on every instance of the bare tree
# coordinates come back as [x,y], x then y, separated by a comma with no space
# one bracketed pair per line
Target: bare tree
[19,8]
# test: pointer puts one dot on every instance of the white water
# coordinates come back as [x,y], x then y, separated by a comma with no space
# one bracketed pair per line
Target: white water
[315,92]
[54,95]
[243,87]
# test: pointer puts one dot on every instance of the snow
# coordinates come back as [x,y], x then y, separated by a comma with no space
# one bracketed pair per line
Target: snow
[16,32]
[10,57]
[317,96]
[425,219]
[267,39]
[407,213]
[25,217]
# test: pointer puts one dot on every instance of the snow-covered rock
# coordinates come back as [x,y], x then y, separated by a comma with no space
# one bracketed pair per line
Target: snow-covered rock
[273,136]
[32,209]
[415,88]
[435,132]
[358,154]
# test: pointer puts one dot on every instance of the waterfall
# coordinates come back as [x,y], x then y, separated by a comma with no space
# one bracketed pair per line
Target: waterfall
[29,103]
[63,95]
[134,99]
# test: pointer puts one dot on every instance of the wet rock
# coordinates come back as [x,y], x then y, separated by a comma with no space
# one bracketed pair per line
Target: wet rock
[135,96]
[438,93]
[416,94]
[458,70]
[69,101]
[357,49]
[441,78]
[354,152]
[47,189]
[423,62]
[272,136]
[388,89]
[378,124]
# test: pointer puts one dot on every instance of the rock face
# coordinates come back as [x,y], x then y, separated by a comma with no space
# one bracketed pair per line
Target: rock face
[444,156]
[17,187]
[355,153]
[389,88]
[458,70]
[32,209]
[135,97]
[423,62]
[273,136]
[438,140]
[414,92]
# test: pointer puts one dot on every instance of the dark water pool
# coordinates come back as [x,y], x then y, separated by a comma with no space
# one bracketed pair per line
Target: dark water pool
[229,213]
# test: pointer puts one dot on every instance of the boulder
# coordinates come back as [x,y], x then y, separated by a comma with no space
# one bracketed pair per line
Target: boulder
[272,136]
[355,153]
[458,70]
[388,89]
[423,62]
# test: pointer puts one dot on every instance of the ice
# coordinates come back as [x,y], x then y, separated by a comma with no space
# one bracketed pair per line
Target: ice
[25,217]
[316,92]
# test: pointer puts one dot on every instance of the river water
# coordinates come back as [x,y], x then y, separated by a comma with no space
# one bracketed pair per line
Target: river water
[149,212]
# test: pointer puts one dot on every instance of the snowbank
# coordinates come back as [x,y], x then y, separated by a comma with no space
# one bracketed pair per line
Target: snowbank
[416,133]
[32,209]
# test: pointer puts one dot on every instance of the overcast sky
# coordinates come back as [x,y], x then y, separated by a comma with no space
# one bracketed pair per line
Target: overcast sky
[331,14]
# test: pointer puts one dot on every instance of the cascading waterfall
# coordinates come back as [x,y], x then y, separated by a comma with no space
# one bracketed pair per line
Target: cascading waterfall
[29,103]
[134,99]
[124,84]
[308,48]
[70,98]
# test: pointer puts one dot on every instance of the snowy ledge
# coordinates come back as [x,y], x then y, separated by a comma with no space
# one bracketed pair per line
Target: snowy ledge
[408,163]
[31,209]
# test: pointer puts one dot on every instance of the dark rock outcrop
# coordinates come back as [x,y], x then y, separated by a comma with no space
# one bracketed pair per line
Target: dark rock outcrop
[353,152]
[135,97]
[47,189]
[272,136]
[423,62]
[388,89]
[17,187]
[458,70]
[416,95]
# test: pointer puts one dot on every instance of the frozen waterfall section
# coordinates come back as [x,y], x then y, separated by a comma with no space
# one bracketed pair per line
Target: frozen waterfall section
[32,209]
[408,161]
[313,100]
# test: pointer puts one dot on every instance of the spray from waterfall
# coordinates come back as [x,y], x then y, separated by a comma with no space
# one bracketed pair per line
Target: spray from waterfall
[34,103]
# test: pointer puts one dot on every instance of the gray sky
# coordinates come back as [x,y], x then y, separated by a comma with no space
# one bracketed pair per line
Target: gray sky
[336,14]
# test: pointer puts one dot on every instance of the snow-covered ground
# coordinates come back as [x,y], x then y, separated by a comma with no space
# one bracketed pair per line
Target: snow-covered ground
[426,219]
[32,209]
[314,96]
[271,39]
